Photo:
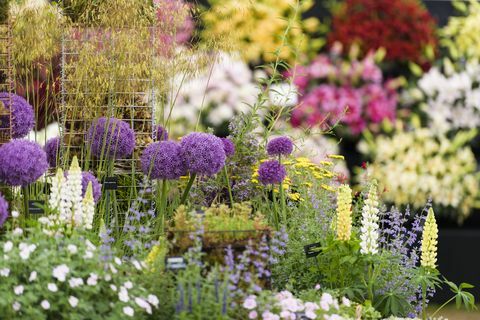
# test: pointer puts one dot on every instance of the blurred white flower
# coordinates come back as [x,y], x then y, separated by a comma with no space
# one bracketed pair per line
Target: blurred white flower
[16,306]
[283,95]
[45,304]
[128,311]
[33,276]
[92,279]
[7,246]
[15,214]
[18,290]
[144,305]
[72,248]
[123,295]
[60,272]
[4,272]
[73,301]
[153,300]
[17,232]
[75,282]
[52,287]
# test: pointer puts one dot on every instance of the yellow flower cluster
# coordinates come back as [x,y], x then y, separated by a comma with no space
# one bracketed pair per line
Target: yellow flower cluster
[344,214]
[429,241]
[258,28]
[462,34]
[302,172]
[416,165]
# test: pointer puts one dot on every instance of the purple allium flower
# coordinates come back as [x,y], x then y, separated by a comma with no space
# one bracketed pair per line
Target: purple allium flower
[23,118]
[96,186]
[163,160]
[280,146]
[203,153]
[162,133]
[3,210]
[112,136]
[228,146]
[52,149]
[271,172]
[22,162]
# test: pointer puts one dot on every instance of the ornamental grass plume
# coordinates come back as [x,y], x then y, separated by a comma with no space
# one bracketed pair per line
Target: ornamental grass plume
[163,160]
[429,241]
[3,210]
[111,138]
[344,214]
[23,118]
[22,162]
[370,228]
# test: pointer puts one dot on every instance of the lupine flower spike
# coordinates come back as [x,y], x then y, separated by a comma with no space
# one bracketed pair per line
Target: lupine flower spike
[88,205]
[344,214]
[369,229]
[429,241]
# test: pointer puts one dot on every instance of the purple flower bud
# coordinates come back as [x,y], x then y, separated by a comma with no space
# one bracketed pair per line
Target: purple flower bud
[162,133]
[228,146]
[111,138]
[203,153]
[52,149]
[3,210]
[22,162]
[163,160]
[22,115]
[271,172]
[280,146]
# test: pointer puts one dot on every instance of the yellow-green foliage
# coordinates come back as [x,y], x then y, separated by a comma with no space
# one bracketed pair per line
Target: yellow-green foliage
[462,33]
[257,28]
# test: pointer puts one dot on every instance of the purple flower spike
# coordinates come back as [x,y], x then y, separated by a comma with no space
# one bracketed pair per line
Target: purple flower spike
[280,146]
[163,160]
[23,117]
[22,162]
[228,146]
[162,133]
[112,137]
[96,186]
[271,172]
[52,149]
[203,153]
[3,210]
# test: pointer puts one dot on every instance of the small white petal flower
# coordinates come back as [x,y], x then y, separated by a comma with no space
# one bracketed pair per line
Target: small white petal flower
[45,304]
[17,232]
[7,246]
[18,290]
[75,282]
[113,287]
[123,295]
[118,261]
[137,265]
[16,306]
[72,248]
[90,245]
[92,280]
[128,311]
[107,277]
[15,214]
[153,300]
[128,285]
[88,254]
[60,272]
[144,305]
[73,301]
[33,276]
[52,287]
[4,272]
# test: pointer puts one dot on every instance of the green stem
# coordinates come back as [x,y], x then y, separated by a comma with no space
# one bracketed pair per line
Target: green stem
[424,302]
[275,210]
[163,207]
[228,186]
[187,189]
[26,196]
[370,282]
[282,196]
[443,305]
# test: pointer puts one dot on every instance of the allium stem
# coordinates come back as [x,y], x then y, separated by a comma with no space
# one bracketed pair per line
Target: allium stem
[26,195]
[227,180]
[187,189]
[163,207]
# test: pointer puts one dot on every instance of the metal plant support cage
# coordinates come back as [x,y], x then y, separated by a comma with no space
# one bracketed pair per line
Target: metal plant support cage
[6,80]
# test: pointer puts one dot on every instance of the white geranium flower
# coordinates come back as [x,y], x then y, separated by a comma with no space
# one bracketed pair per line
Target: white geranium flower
[92,280]
[128,311]
[107,277]
[113,269]
[26,250]
[15,214]
[113,287]
[16,306]
[144,305]
[153,300]
[90,245]
[128,285]
[118,261]
[45,304]
[72,248]
[123,295]
[52,287]
[88,254]
[8,246]
[33,276]
[60,272]
[75,282]
[137,265]
[4,272]
[73,301]
[17,232]
[18,290]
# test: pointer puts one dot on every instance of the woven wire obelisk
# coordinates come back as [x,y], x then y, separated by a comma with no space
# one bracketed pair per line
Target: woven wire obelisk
[6,80]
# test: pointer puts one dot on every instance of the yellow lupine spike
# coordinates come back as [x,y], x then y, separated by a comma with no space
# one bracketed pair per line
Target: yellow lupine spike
[344,215]
[429,241]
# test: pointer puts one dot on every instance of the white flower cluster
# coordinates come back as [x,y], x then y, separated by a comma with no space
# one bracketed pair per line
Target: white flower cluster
[224,89]
[369,229]
[72,209]
[418,165]
[452,99]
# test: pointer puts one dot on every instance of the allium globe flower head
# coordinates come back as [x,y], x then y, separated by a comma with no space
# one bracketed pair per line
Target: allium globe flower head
[163,160]
[3,210]
[228,146]
[96,186]
[22,162]
[280,146]
[203,153]
[111,138]
[162,133]
[52,149]
[23,117]
[271,172]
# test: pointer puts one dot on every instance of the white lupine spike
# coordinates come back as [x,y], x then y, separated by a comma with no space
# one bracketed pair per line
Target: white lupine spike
[57,184]
[74,183]
[88,207]
[369,229]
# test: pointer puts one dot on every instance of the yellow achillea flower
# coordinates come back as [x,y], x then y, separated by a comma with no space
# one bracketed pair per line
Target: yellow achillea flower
[429,241]
[336,156]
[344,215]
